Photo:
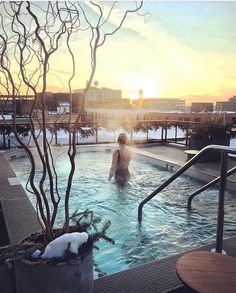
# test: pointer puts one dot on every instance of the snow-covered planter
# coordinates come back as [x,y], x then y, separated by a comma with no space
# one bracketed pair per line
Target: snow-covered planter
[70,276]
[65,265]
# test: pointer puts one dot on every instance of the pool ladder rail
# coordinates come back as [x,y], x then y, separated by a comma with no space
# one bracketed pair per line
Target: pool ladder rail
[206,186]
[222,179]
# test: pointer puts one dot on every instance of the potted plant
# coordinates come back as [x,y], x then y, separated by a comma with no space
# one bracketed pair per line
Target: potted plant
[210,133]
[36,37]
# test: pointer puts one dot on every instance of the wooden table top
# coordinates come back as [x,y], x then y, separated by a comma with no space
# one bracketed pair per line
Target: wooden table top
[208,272]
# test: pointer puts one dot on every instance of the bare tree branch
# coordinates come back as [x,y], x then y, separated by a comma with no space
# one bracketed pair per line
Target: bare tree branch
[31,34]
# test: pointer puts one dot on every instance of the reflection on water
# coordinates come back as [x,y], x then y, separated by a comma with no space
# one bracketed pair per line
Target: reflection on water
[167,227]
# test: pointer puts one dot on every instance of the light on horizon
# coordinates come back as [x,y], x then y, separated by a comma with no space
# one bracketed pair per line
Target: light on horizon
[149,85]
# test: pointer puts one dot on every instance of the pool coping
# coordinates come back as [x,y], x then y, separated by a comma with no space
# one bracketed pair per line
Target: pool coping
[14,202]
[156,276]
[199,171]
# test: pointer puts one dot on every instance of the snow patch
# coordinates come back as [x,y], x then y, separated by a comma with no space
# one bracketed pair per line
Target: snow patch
[36,254]
[58,246]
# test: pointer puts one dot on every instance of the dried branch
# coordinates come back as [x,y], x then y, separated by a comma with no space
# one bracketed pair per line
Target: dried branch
[31,35]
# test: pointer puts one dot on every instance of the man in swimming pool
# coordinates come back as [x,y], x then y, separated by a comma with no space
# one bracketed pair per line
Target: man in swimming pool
[120,161]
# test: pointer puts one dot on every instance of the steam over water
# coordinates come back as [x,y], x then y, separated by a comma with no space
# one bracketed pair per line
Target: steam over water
[167,227]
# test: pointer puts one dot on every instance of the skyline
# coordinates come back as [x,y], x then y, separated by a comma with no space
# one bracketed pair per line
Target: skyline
[185,50]
[181,49]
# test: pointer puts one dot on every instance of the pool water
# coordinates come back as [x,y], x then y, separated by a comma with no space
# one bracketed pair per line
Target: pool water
[167,227]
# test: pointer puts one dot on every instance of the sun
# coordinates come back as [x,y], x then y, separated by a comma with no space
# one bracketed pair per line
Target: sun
[149,86]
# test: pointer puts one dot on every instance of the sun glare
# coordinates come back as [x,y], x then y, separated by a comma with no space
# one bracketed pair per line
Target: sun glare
[148,84]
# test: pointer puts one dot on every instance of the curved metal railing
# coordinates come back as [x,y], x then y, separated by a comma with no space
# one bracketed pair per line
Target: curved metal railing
[206,186]
[223,178]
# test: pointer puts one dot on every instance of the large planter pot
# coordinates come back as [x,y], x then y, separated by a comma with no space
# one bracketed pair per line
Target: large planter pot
[6,283]
[76,275]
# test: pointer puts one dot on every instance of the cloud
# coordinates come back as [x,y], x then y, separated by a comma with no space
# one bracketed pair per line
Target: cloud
[151,54]
[181,69]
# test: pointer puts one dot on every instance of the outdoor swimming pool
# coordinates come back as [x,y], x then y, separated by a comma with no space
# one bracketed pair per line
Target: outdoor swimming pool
[167,227]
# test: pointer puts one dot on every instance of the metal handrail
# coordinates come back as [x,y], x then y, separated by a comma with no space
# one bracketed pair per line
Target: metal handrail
[223,178]
[206,186]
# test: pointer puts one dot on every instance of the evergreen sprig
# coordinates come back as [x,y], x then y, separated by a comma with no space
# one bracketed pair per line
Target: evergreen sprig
[85,221]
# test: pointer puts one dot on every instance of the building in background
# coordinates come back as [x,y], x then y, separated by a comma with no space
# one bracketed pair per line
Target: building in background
[222,106]
[63,107]
[229,105]
[6,106]
[54,99]
[108,106]
[21,103]
[232,102]
[111,116]
[201,107]
[104,98]
[101,94]
[159,104]
[103,116]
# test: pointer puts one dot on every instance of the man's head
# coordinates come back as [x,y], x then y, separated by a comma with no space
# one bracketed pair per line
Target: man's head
[122,138]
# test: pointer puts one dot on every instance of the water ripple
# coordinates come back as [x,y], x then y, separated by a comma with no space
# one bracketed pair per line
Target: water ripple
[167,227]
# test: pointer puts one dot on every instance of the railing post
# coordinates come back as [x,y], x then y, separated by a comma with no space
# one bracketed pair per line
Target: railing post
[4,139]
[55,131]
[165,132]
[77,136]
[187,136]
[162,133]
[222,187]
[96,127]
[176,133]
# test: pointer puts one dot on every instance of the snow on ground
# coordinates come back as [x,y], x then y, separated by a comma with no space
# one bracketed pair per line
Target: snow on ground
[103,136]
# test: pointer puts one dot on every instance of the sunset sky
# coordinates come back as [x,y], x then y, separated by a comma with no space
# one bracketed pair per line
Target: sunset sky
[186,49]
